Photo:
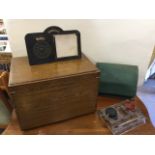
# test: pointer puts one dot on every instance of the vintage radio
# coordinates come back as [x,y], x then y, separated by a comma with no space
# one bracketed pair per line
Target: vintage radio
[53,44]
[52,92]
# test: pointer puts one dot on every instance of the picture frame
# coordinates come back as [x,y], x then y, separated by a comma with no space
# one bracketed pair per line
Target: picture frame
[67,45]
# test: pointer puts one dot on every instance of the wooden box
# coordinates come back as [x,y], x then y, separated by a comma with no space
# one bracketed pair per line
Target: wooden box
[52,92]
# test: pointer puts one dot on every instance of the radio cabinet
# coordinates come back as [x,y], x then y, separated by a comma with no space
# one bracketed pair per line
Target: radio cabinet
[52,92]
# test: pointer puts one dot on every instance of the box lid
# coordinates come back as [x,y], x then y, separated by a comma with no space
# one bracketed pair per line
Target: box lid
[22,73]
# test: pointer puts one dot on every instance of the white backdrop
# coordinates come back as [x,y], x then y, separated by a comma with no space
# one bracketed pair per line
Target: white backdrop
[116,41]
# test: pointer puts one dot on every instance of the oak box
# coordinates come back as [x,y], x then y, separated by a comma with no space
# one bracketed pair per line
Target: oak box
[52,92]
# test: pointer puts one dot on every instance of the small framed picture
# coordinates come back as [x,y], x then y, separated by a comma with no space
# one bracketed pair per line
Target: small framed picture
[67,45]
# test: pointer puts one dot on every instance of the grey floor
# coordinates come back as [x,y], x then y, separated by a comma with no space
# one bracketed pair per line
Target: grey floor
[147,94]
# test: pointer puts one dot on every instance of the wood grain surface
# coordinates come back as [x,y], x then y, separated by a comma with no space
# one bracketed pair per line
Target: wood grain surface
[84,125]
[22,73]
[52,92]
